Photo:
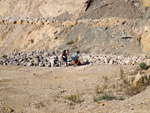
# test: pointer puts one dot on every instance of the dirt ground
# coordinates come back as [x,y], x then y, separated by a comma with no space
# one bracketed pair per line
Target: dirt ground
[47,90]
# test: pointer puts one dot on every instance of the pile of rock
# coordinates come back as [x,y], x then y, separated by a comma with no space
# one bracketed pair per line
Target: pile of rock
[53,58]
[35,58]
[115,59]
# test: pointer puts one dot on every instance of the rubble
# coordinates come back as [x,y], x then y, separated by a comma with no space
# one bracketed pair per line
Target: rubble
[53,58]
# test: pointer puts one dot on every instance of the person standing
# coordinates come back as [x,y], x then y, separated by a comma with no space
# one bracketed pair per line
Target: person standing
[64,58]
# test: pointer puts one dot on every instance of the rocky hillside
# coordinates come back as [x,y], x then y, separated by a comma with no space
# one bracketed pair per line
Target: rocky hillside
[70,9]
[101,26]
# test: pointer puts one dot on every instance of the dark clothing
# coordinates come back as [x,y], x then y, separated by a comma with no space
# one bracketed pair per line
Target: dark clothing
[64,57]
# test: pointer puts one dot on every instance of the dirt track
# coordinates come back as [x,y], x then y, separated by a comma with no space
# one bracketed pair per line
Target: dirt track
[44,90]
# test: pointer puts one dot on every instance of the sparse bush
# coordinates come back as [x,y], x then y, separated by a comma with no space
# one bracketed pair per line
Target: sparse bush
[77,39]
[105,86]
[99,90]
[105,78]
[143,66]
[56,98]
[40,105]
[121,98]
[70,42]
[4,56]
[104,97]
[74,98]
[71,26]
[114,86]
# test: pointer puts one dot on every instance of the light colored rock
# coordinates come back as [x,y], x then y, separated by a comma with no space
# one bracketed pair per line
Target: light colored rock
[29,64]
[137,78]
[128,62]
[19,22]
[1,21]
[41,64]
[39,23]
[25,22]
[137,4]
[52,62]
[12,22]
[111,61]
[35,8]
[148,72]
[6,21]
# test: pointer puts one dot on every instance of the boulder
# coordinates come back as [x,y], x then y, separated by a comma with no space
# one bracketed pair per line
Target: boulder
[41,64]
[148,73]
[29,64]
[25,22]
[137,78]
[128,62]
[52,62]
[1,21]
[36,61]
[6,21]
[136,4]
[39,23]
[19,22]
[111,61]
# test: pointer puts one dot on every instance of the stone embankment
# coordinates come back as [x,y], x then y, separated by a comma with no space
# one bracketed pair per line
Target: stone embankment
[51,58]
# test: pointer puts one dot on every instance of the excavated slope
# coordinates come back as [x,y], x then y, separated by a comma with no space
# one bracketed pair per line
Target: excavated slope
[101,26]
[70,9]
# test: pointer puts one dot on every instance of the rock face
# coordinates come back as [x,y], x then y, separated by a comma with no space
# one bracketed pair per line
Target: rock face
[75,8]
[107,35]
[40,8]
[112,8]
[92,26]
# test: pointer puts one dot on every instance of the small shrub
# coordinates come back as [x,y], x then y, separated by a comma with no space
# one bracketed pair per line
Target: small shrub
[70,42]
[4,56]
[56,98]
[104,97]
[114,86]
[71,26]
[77,39]
[42,104]
[105,78]
[74,98]
[97,88]
[143,66]
[105,86]
[121,98]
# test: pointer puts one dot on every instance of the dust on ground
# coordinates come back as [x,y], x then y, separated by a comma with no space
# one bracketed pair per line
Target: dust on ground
[47,90]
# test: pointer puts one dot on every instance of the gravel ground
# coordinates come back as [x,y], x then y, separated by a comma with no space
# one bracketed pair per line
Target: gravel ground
[47,90]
